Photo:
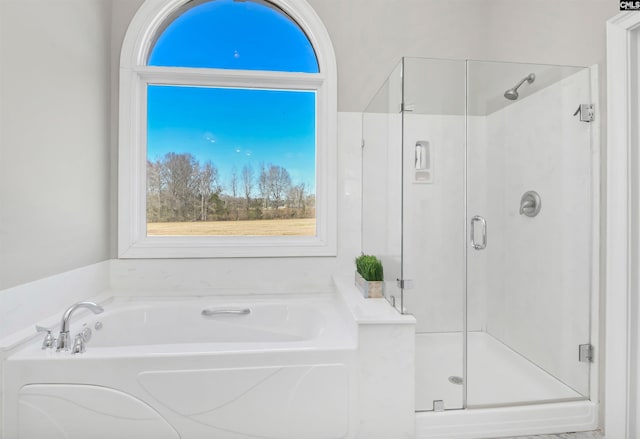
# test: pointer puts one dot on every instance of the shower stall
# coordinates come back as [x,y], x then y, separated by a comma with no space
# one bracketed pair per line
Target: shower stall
[480,196]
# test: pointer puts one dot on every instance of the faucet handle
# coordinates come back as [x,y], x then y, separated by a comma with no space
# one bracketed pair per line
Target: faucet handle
[49,340]
[85,333]
[78,345]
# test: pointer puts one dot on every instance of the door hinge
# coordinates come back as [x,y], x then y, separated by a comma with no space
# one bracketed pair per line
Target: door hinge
[586,112]
[407,107]
[585,353]
[404,284]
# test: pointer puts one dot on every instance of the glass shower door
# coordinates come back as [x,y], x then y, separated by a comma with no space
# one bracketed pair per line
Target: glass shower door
[530,210]
[433,244]
[382,182]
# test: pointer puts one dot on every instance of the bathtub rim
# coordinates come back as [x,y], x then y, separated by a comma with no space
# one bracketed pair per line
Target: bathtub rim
[27,338]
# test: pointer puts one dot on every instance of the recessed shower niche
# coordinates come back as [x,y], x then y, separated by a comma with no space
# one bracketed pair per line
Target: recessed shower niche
[503,297]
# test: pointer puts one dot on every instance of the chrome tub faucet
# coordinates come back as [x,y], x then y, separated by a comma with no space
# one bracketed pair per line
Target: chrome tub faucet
[63,338]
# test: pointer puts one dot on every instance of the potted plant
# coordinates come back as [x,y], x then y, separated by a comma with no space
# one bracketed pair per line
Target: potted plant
[369,276]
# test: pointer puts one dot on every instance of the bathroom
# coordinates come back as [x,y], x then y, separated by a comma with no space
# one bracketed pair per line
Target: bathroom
[60,126]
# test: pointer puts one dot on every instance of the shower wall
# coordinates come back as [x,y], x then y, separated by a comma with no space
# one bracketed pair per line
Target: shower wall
[537,271]
[434,244]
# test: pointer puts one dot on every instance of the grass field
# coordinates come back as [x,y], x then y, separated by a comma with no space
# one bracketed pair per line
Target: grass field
[273,227]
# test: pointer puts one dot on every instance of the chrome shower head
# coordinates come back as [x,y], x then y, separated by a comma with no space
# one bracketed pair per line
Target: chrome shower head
[512,93]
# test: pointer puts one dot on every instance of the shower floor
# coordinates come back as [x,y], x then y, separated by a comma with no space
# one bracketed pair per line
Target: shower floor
[496,374]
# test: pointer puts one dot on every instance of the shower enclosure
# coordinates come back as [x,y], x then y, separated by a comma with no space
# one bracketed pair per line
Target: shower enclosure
[480,195]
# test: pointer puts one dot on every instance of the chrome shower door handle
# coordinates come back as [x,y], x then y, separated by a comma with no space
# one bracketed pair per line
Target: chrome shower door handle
[483,222]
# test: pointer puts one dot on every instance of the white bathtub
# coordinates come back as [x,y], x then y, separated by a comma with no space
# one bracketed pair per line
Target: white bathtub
[160,369]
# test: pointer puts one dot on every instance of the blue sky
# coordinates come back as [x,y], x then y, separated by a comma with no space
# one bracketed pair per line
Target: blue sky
[228,34]
[234,127]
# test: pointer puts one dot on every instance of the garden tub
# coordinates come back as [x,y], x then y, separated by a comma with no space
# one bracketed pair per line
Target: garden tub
[210,367]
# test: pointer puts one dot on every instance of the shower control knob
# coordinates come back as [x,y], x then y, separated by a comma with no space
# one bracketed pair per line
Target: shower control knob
[530,204]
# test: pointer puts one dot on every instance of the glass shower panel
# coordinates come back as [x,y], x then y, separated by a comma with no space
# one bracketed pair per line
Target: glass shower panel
[433,136]
[530,225]
[382,182]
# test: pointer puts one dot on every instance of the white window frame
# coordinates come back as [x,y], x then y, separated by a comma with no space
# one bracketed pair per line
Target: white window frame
[135,76]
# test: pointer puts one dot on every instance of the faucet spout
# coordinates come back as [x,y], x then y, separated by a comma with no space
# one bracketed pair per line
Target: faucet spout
[93,307]
[63,339]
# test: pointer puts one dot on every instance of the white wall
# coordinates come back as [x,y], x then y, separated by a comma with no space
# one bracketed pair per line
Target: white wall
[370,36]
[565,32]
[54,137]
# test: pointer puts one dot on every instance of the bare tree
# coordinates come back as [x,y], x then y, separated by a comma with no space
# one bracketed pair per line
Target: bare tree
[154,191]
[247,185]
[279,184]
[263,185]
[296,197]
[179,175]
[233,185]
[179,188]
[207,185]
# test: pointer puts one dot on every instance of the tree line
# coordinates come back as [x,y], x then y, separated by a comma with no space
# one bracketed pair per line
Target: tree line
[180,188]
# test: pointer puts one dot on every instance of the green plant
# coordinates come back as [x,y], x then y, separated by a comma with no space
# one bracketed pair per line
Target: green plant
[370,268]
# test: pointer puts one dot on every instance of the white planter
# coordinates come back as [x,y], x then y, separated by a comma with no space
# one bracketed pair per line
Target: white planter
[370,289]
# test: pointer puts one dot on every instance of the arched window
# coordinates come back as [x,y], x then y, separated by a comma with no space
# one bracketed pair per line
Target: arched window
[227,34]
[227,131]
